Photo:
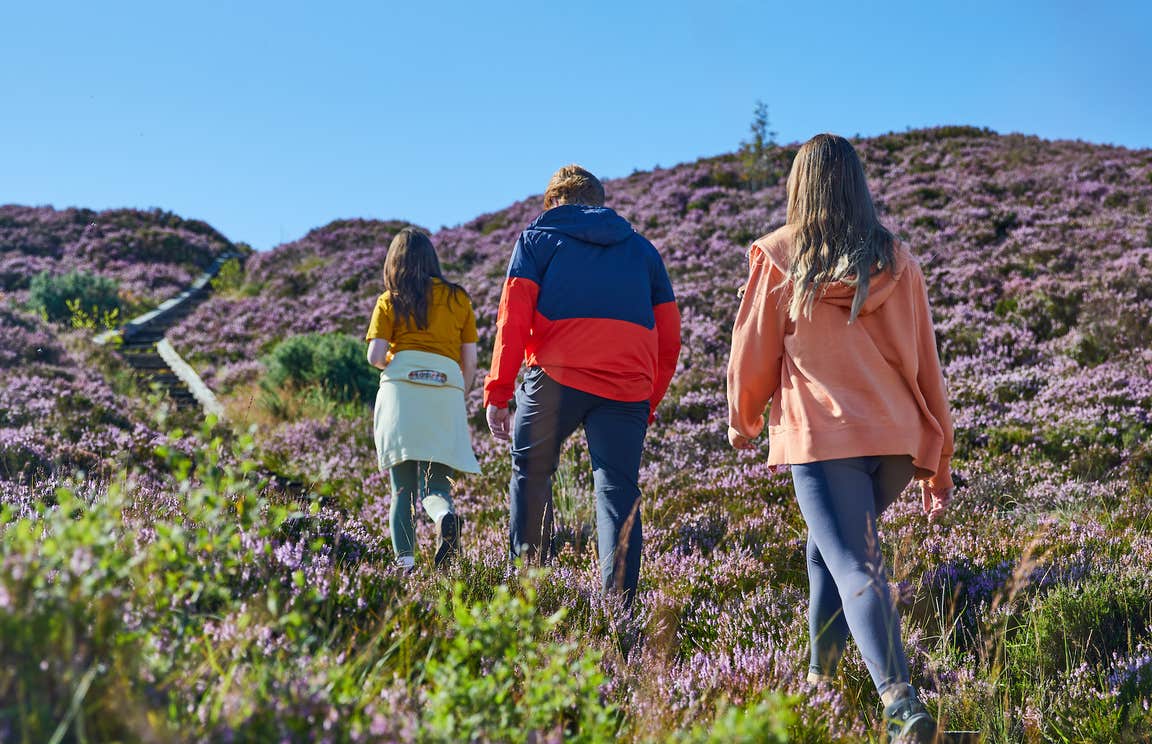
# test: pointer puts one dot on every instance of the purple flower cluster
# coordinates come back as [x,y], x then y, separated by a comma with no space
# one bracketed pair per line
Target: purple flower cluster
[57,411]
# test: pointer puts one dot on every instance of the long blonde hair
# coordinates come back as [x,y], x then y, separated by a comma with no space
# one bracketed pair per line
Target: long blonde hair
[836,236]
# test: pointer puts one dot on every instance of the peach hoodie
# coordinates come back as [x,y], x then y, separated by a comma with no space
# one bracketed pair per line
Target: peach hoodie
[837,390]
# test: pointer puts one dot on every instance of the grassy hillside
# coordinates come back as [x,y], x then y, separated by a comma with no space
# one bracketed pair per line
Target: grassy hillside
[1028,609]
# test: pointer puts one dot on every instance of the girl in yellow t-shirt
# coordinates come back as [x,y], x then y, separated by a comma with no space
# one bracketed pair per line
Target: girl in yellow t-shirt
[423,338]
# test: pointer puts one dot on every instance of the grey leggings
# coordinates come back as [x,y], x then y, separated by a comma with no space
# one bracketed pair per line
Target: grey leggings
[848,583]
[412,480]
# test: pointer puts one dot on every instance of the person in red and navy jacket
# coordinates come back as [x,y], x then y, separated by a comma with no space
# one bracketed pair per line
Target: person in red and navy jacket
[588,307]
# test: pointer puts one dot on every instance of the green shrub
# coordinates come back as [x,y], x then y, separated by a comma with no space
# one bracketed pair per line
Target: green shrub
[64,637]
[230,278]
[503,675]
[1116,199]
[58,298]
[1003,439]
[1082,623]
[1105,702]
[181,625]
[331,361]
[1047,315]
[762,722]
[493,222]
[87,589]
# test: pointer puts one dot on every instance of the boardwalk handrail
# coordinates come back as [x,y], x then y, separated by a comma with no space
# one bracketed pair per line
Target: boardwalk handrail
[200,391]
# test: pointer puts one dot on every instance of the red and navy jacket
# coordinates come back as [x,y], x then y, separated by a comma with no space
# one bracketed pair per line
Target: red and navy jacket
[587,299]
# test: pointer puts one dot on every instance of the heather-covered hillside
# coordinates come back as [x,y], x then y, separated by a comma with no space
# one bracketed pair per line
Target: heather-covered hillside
[1038,256]
[64,408]
[152,255]
[58,413]
[1027,609]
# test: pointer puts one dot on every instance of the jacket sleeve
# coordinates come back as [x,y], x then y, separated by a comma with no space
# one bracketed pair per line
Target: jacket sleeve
[513,325]
[930,380]
[757,347]
[667,333]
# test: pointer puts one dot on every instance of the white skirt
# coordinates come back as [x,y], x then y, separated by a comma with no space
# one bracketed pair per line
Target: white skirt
[420,413]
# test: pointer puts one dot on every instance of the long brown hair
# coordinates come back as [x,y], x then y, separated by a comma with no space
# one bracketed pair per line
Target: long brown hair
[409,269]
[836,235]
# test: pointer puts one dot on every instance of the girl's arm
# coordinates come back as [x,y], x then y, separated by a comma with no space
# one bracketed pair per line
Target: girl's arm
[378,353]
[930,379]
[468,364]
[757,350]
[379,329]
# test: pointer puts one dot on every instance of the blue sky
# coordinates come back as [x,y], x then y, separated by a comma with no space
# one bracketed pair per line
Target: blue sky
[267,119]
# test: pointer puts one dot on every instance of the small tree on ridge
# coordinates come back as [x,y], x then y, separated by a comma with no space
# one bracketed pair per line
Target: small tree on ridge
[759,169]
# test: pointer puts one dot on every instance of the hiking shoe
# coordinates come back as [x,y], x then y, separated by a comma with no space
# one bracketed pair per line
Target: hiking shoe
[909,722]
[447,539]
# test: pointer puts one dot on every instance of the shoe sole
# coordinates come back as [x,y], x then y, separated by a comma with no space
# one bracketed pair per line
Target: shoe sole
[448,539]
[919,731]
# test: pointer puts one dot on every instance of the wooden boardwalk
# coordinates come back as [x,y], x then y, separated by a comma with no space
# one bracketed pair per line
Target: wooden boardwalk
[143,346]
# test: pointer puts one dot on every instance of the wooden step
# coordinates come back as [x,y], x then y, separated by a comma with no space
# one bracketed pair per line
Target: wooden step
[143,363]
[142,336]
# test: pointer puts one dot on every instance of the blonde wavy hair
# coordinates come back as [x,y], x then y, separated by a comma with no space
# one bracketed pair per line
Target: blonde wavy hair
[836,235]
[573,185]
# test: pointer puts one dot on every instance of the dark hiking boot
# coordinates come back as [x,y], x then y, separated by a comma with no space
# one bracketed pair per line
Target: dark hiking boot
[909,722]
[447,539]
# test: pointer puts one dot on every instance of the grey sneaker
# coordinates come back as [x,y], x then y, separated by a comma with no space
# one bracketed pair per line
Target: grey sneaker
[447,539]
[909,722]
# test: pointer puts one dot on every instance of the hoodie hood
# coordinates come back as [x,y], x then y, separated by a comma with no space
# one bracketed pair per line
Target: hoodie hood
[880,288]
[595,225]
[777,247]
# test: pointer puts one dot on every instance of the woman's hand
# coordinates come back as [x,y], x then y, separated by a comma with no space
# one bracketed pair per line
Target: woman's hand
[935,500]
[738,440]
[499,422]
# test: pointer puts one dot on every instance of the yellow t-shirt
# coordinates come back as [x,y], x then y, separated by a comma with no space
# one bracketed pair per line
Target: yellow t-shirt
[451,322]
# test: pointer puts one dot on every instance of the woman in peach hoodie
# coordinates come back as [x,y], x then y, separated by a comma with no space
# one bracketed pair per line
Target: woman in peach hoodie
[835,331]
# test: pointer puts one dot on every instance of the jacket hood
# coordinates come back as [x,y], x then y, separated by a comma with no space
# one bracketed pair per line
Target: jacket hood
[777,247]
[595,225]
